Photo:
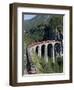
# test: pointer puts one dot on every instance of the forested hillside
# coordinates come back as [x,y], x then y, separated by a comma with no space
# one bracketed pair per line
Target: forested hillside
[42,27]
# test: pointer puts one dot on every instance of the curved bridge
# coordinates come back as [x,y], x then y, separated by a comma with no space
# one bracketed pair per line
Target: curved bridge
[45,49]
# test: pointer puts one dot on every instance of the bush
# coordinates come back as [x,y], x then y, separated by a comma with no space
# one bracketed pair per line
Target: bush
[50,67]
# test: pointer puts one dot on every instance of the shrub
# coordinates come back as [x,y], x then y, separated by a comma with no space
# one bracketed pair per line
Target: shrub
[50,67]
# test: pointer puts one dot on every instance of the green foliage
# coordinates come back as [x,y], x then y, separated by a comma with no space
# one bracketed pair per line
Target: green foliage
[50,67]
[36,61]
[60,63]
[37,33]
[56,21]
[27,39]
[42,29]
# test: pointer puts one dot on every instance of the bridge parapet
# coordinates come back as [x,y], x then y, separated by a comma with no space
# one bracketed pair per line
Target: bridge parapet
[44,43]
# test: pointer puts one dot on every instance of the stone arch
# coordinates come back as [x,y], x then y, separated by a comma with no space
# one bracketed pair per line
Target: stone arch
[57,49]
[49,50]
[37,48]
[43,50]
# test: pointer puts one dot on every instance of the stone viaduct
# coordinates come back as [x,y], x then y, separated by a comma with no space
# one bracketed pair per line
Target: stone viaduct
[45,49]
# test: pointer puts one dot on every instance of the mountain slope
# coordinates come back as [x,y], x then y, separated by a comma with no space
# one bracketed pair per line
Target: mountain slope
[38,19]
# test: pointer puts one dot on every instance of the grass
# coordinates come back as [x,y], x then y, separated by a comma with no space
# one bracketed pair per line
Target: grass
[50,67]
